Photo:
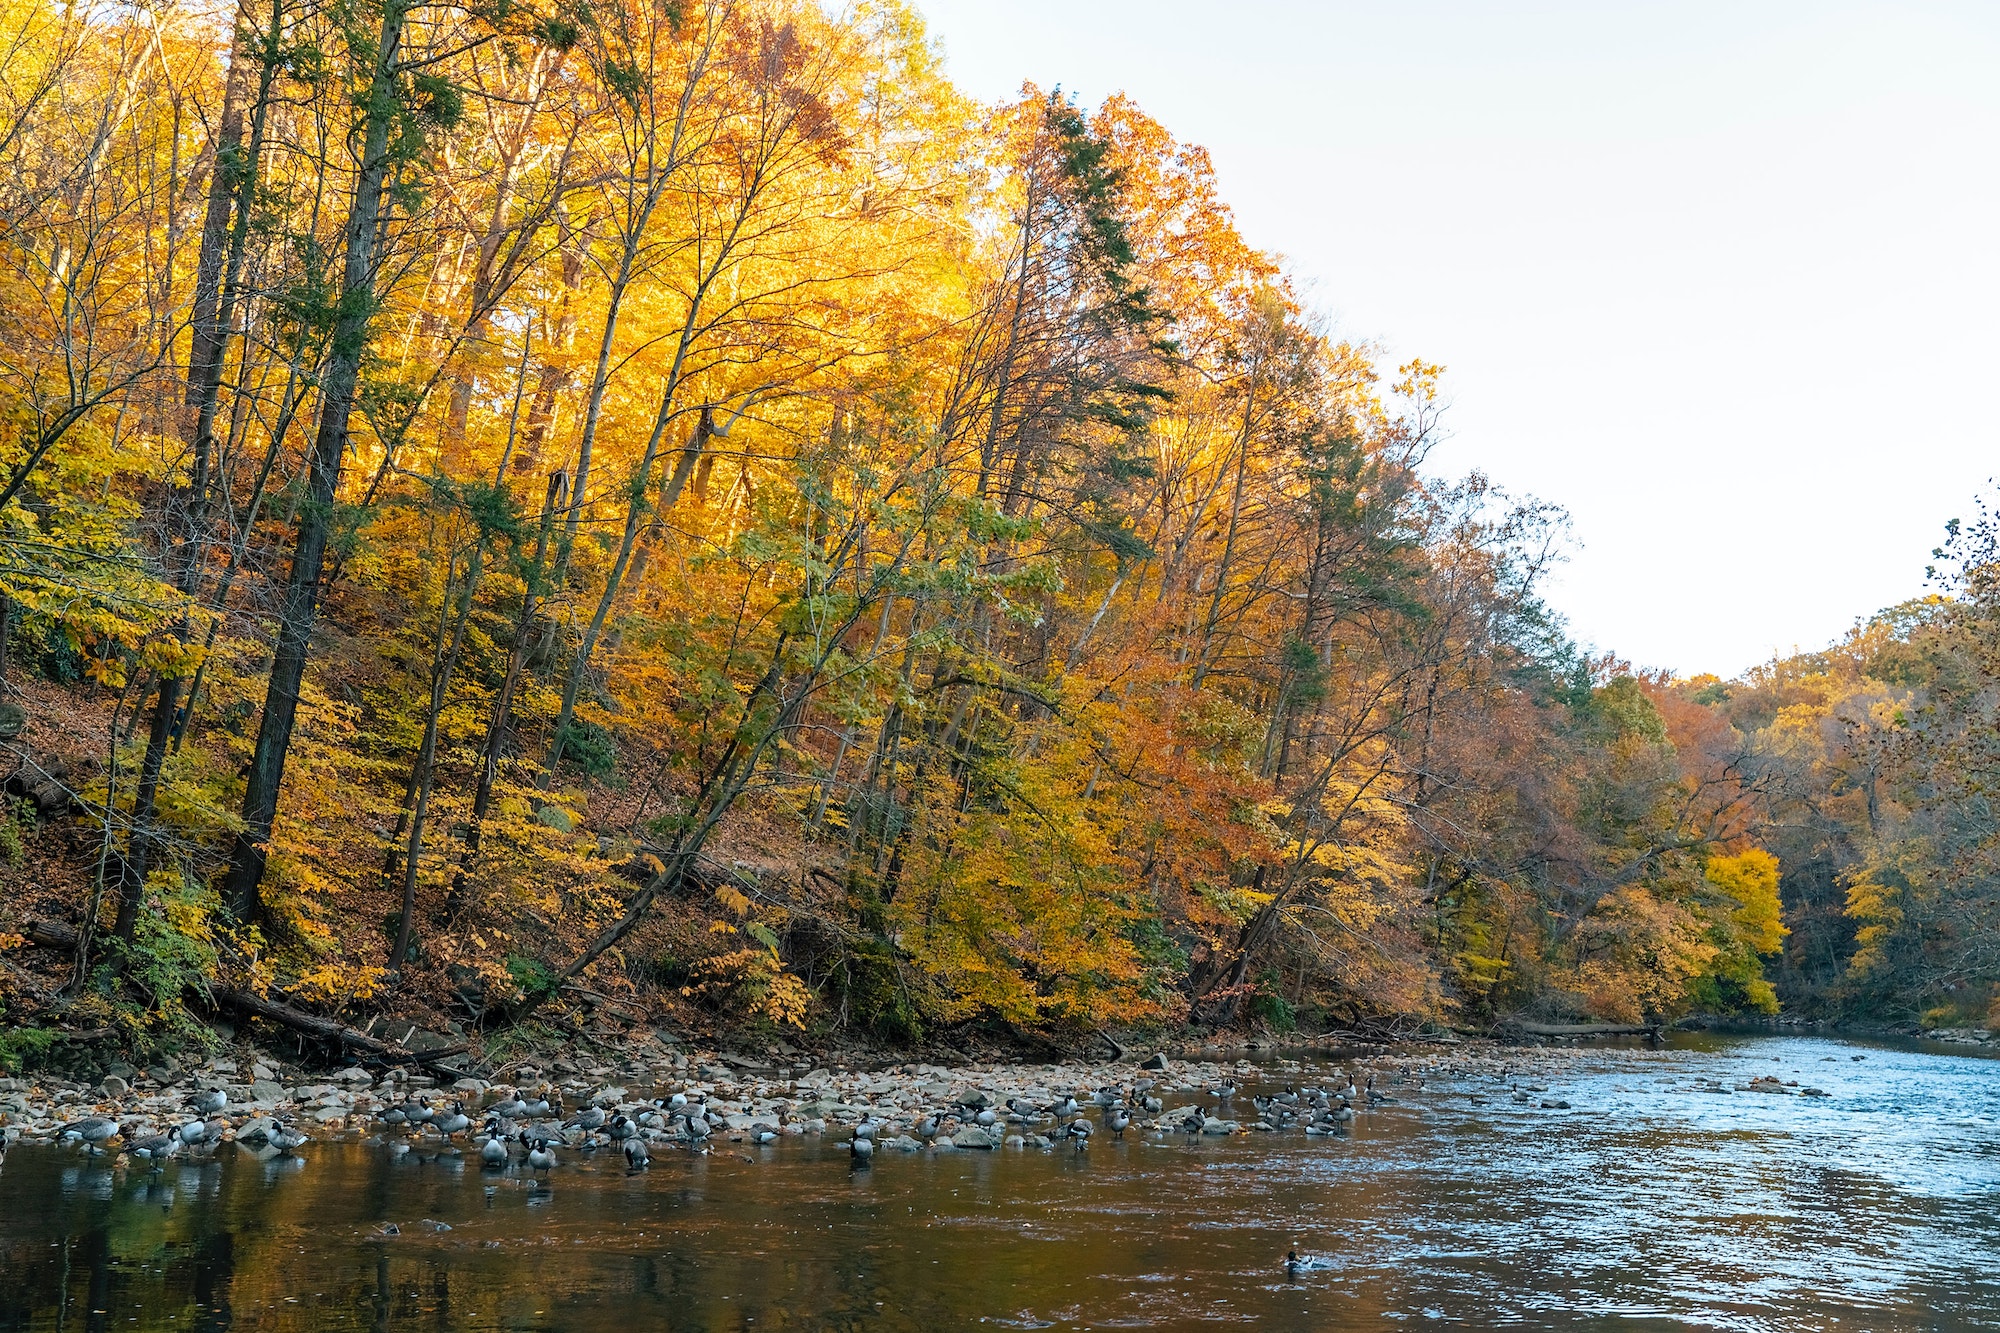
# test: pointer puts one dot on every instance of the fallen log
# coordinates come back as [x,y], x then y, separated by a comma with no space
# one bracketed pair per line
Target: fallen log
[55,935]
[1578,1029]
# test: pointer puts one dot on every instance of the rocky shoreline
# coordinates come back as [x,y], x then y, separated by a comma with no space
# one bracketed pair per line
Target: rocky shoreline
[911,1106]
[739,1093]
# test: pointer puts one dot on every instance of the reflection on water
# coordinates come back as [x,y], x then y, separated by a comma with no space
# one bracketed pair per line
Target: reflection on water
[1650,1204]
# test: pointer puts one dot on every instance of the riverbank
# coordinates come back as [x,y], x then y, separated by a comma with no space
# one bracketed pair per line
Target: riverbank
[794,1096]
[1208,1090]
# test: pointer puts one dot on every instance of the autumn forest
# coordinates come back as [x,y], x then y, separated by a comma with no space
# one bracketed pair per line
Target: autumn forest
[523,514]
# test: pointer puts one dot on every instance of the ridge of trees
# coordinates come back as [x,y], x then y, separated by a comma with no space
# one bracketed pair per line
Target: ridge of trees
[535,498]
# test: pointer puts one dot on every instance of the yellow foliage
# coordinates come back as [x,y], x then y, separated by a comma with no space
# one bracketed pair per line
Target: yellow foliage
[1751,878]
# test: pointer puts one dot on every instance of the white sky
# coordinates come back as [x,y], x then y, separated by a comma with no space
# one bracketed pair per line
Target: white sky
[1722,279]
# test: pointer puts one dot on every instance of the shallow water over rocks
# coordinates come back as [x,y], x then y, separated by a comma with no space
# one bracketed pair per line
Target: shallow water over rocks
[1655,1200]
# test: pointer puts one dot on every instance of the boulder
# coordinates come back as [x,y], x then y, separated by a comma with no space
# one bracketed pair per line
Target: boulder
[1157,1062]
[972,1137]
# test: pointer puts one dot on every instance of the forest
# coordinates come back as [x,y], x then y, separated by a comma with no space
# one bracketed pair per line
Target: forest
[551,516]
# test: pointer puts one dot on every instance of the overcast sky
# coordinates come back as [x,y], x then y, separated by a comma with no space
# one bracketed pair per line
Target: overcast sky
[1720,279]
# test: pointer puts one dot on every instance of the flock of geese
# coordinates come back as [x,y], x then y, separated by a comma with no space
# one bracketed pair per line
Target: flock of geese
[518,1130]
[203,1131]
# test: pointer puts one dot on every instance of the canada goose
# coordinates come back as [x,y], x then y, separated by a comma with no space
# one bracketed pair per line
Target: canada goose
[763,1134]
[284,1138]
[985,1118]
[620,1129]
[866,1129]
[861,1151]
[636,1156]
[1106,1096]
[415,1113]
[1225,1090]
[210,1102]
[1117,1121]
[513,1108]
[697,1127]
[590,1117]
[91,1132]
[1064,1106]
[1293,1264]
[927,1128]
[156,1148]
[1153,1105]
[677,1102]
[456,1121]
[1079,1133]
[540,1156]
[537,1109]
[203,1133]
[493,1152]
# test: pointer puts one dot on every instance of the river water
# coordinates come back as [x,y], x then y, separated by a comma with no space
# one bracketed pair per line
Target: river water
[1650,1203]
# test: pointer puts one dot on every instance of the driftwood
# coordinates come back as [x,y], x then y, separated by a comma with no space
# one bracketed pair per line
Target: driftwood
[55,935]
[1578,1029]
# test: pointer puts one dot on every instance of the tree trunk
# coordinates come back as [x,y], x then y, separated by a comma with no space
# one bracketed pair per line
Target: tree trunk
[231,191]
[299,603]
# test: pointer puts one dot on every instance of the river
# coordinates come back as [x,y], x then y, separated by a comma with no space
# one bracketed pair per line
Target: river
[1652,1202]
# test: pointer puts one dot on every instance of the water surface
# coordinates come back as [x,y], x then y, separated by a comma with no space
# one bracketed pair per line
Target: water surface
[1649,1204]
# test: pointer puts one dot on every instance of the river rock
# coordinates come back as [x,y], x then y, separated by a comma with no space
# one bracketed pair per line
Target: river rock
[115,1086]
[1156,1062]
[1214,1126]
[972,1137]
[904,1143]
[353,1074]
[974,1098]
